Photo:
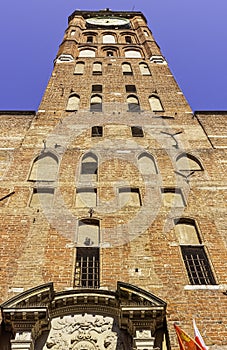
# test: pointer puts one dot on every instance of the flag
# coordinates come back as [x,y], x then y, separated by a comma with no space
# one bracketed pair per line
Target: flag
[198,337]
[185,341]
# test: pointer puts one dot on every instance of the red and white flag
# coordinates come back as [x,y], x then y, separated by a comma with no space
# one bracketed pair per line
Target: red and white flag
[198,338]
[185,341]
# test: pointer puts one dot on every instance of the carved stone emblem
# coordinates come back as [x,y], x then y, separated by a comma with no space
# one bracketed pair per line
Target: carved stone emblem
[82,332]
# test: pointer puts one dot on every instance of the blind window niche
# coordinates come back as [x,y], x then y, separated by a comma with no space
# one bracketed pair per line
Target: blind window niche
[129,197]
[172,197]
[79,68]
[44,168]
[42,197]
[86,197]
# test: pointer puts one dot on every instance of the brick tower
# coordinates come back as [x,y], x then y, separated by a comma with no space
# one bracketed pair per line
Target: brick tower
[112,201]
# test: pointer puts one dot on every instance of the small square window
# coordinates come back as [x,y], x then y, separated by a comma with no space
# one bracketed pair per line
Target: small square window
[130,88]
[109,53]
[96,131]
[137,131]
[96,88]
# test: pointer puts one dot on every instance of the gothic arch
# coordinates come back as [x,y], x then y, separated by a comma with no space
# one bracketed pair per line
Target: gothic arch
[44,167]
[187,161]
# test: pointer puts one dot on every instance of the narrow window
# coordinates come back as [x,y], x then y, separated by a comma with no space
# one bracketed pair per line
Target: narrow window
[89,166]
[89,39]
[126,69]
[42,197]
[79,68]
[86,197]
[137,131]
[108,39]
[197,265]
[96,103]
[155,103]
[133,103]
[96,131]
[72,32]
[193,253]
[73,103]
[128,39]
[97,68]
[130,88]
[44,168]
[129,196]
[96,88]
[109,53]
[144,69]
[87,268]
[145,33]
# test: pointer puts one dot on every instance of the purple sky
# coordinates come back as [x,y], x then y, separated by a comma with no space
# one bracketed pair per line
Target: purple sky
[192,36]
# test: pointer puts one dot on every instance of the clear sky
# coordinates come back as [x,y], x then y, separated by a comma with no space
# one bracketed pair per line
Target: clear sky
[192,36]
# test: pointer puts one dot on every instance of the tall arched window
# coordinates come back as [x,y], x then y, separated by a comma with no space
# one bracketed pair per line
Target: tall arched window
[108,39]
[126,68]
[193,252]
[87,267]
[97,68]
[44,168]
[155,103]
[187,162]
[87,53]
[144,69]
[133,54]
[79,68]
[133,103]
[89,167]
[147,164]
[73,102]
[96,103]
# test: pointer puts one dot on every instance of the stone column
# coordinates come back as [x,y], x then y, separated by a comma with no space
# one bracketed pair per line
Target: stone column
[22,341]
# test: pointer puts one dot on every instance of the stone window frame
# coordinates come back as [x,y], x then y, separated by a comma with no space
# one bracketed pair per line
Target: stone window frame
[137,131]
[159,99]
[195,256]
[174,190]
[76,105]
[96,106]
[126,71]
[129,189]
[42,189]
[80,72]
[191,157]
[133,107]
[97,131]
[98,71]
[47,153]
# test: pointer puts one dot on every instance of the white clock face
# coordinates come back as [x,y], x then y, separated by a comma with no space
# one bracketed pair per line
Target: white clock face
[108,21]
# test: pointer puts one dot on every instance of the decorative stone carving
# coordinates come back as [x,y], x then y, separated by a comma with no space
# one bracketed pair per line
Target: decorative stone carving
[82,332]
[144,340]
[22,341]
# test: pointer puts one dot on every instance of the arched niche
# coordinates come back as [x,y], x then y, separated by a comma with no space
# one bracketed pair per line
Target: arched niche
[147,165]
[133,103]
[44,168]
[73,103]
[88,233]
[89,166]
[187,161]
[133,54]
[96,103]
[155,103]
[87,53]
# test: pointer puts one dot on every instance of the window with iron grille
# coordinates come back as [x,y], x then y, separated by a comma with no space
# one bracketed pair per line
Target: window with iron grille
[96,131]
[197,265]
[137,131]
[87,268]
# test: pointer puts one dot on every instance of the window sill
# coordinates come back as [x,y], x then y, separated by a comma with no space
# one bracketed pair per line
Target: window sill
[203,287]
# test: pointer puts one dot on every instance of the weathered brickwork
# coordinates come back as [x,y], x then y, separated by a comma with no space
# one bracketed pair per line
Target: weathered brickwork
[138,241]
